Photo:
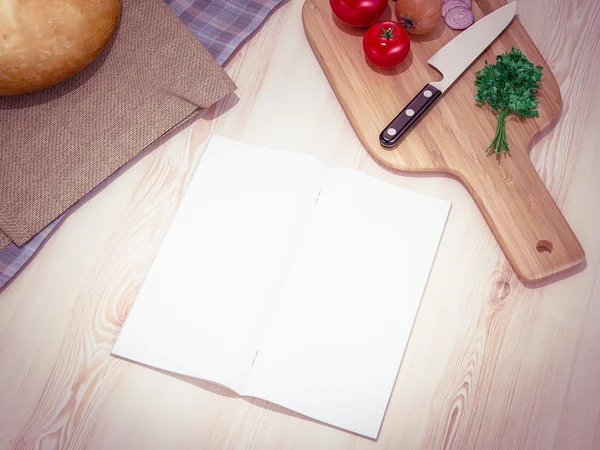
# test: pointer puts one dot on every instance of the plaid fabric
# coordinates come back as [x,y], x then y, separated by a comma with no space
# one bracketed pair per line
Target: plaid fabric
[13,258]
[221,26]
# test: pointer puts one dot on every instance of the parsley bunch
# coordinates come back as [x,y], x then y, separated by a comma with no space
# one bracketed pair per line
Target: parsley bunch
[508,87]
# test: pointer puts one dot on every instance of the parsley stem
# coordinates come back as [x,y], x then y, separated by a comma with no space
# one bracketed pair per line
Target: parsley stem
[496,141]
[504,140]
[498,145]
[502,135]
[495,135]
[499,142]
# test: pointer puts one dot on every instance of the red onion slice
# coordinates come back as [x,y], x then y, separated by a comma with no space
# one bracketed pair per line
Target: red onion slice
[459,18]
[468,3]
[453,4]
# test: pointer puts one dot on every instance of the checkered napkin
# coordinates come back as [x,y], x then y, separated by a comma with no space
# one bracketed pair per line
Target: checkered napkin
[221,26]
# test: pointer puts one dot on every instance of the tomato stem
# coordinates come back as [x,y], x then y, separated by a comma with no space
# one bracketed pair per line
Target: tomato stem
[389,33]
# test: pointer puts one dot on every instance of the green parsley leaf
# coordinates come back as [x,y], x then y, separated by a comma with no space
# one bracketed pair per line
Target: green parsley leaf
[508,87]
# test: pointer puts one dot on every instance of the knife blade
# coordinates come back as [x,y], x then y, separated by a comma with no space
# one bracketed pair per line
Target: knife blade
[451,61]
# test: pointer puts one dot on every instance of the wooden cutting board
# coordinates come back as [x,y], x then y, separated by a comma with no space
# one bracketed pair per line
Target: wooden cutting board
[453,135]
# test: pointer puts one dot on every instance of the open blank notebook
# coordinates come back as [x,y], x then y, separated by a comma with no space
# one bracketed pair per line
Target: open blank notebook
[286,280]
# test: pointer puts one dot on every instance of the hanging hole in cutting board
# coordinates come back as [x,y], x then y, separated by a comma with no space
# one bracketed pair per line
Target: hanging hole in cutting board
[544,246]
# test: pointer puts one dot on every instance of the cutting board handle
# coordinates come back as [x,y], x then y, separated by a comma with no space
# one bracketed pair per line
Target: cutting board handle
[529,226]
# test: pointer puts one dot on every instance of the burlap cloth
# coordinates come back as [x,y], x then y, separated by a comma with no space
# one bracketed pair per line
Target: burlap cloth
[4,240]
[58,144]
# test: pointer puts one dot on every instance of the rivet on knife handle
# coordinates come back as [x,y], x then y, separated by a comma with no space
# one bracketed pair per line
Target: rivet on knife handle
[409,116]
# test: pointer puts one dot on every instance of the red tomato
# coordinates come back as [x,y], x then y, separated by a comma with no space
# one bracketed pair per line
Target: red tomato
[386,44]
[358,13]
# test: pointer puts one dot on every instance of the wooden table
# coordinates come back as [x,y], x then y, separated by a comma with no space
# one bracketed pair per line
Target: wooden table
[491,363]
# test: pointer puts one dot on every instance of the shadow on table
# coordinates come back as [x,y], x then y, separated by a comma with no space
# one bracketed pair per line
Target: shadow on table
[224,391]
[557,277]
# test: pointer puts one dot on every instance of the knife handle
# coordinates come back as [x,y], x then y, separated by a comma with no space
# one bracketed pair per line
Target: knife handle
[409,116]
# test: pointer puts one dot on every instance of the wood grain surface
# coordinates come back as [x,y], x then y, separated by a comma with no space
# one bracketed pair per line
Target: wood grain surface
[452,136]
[492,363]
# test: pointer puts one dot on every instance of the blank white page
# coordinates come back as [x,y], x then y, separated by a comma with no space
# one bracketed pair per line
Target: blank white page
[337,337]
[206,302]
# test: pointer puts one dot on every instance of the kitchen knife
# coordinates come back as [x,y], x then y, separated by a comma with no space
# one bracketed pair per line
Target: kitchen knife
[451,60]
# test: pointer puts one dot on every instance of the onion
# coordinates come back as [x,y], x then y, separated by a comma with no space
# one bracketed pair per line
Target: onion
[448,5]
[468,3]
[459,18]
[418,16]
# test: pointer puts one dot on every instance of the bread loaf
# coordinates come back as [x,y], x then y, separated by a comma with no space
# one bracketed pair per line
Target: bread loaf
[43,42]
